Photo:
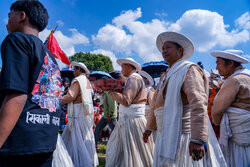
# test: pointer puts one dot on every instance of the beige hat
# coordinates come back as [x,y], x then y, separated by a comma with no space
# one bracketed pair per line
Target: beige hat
[129,61]
[235,55]
[82,65]
[146,75]
[177,38]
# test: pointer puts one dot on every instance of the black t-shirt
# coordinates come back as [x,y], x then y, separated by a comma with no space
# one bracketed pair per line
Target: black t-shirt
[29,68]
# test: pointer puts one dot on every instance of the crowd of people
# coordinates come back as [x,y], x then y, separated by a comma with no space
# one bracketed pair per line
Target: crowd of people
[187,119]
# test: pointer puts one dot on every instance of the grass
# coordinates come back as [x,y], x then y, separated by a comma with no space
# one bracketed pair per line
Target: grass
[101,152]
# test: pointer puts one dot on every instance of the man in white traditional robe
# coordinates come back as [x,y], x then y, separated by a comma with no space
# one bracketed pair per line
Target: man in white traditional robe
[179,112]
[231,107]
[125,147]
[78,135]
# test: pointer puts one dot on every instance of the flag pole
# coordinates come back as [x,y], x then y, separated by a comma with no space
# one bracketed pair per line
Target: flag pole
[51,32]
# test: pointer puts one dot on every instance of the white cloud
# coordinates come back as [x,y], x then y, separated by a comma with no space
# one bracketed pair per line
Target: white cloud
[109,54]
[60,23]
[67,43]
[127,17]
[113,38]
[43,35]
[162,15]
[61,65]
[243,21]
[127,35]
[211,25]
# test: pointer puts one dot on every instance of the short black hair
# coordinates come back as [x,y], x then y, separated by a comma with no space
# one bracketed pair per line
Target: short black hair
[36,12]
[227,61]
[82,70]
[97,100]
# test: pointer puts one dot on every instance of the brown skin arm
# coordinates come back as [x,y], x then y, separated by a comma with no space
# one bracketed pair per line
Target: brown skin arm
[9,113]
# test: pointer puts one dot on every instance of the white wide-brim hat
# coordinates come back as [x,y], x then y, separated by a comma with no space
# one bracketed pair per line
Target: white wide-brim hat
[235,55]
[82,65]
[129,61]
[146,75]
[181,39]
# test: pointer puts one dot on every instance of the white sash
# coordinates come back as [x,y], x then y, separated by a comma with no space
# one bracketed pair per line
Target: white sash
[235,125]
[134,110]
[131,112]
[86,93]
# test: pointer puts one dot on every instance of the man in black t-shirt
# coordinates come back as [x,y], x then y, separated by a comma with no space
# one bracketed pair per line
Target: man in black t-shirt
[30,86]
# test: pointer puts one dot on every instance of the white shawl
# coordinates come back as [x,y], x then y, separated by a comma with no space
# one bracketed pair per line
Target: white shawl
[86,93]
[173,109]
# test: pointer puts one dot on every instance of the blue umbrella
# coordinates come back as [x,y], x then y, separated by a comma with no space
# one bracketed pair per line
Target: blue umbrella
[154,69]
[67,69]
[67,72]
[99,75]
[115,74]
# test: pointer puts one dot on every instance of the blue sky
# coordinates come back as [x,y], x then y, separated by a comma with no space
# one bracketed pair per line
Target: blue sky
[129,28]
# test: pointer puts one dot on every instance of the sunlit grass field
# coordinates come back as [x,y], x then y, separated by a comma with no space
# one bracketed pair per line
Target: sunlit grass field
[101,152]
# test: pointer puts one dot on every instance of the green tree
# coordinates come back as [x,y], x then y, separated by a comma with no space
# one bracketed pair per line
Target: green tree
[94,62]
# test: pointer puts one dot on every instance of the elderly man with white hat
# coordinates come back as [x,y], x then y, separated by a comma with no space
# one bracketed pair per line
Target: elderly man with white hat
[231,107]
[125,146]
[78,135]
[180,110]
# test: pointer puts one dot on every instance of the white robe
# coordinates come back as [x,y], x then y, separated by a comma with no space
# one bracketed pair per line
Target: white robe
[61,156]
[125,147]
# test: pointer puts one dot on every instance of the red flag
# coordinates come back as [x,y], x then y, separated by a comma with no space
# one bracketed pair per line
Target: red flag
[55,49]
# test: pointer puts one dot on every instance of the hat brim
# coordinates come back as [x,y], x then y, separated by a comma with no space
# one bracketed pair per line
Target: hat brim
[230,56]
[182,40]
[147,76]
[83,66]
[126,61]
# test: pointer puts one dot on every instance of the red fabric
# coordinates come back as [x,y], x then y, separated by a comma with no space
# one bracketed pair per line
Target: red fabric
[55,49]
[212,95]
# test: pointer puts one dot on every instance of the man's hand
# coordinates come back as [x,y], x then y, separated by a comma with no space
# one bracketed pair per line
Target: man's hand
[9,113]
[197,151]
[146,135]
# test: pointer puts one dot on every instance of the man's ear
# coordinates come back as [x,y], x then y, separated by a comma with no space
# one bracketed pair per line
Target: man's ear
[22,16]
[231,63]
[181,51]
